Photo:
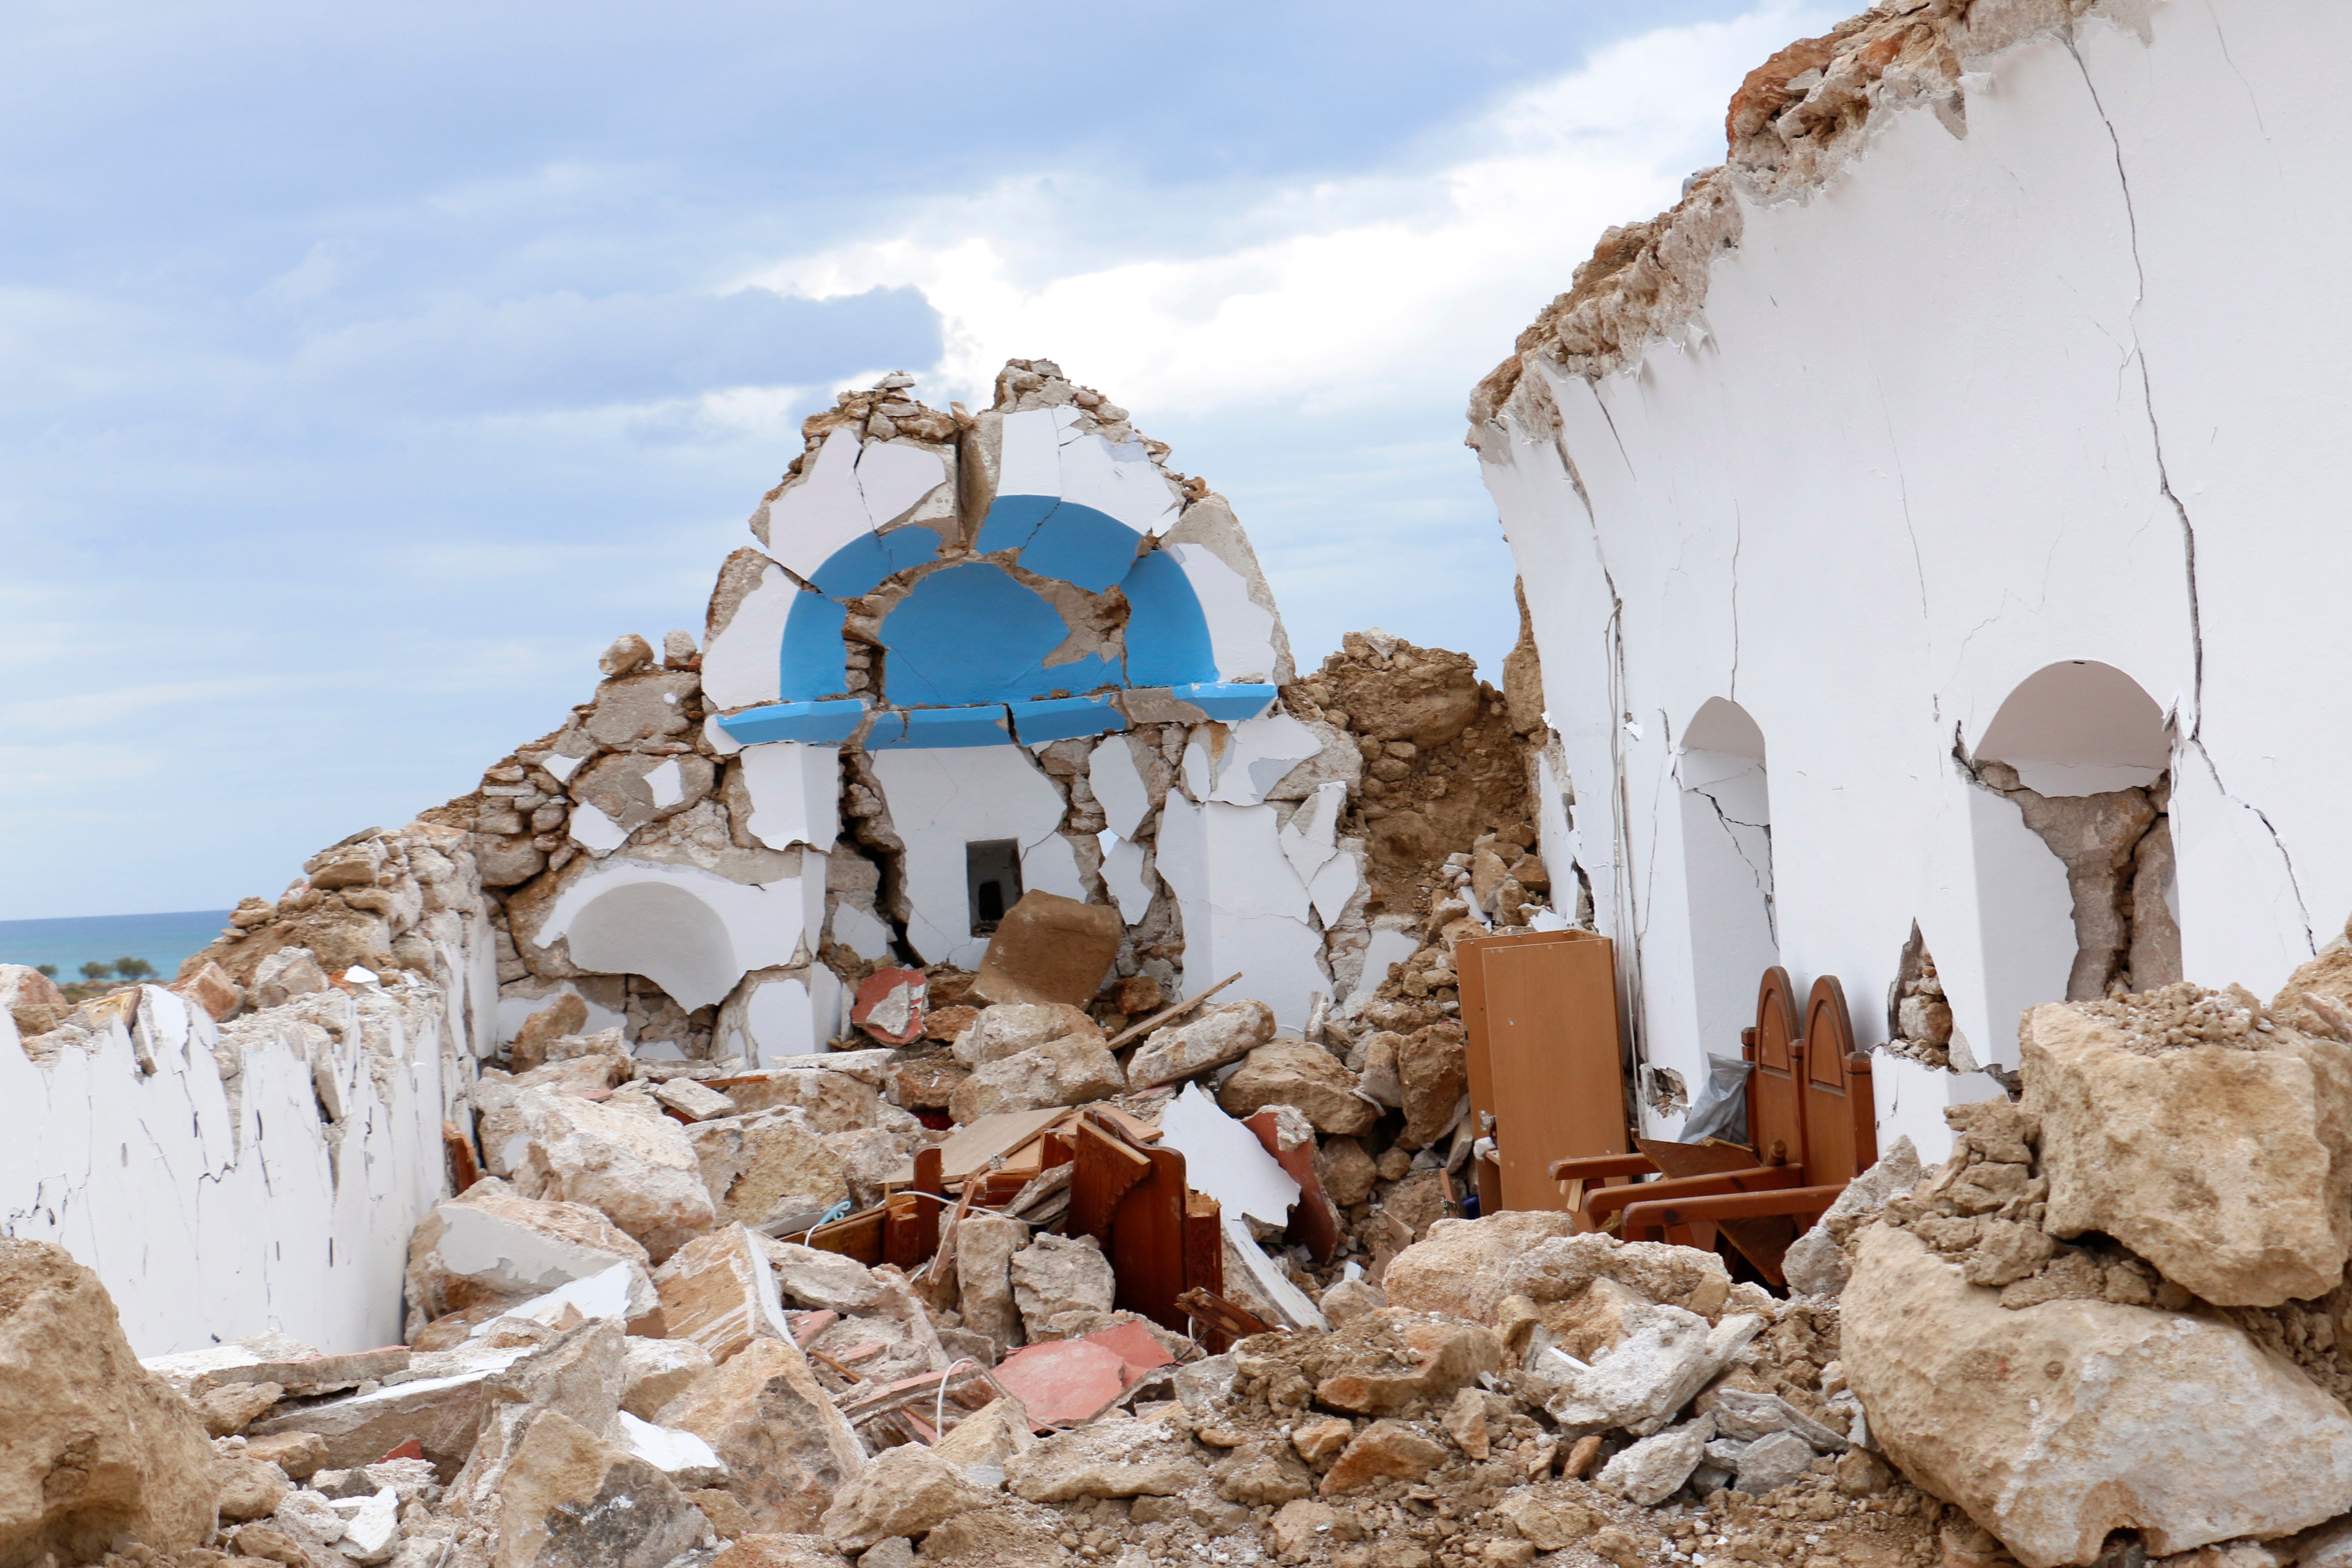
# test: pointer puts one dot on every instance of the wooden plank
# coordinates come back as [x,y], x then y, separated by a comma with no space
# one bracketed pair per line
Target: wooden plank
[1776,1105]
[857,1235]
[971,1147]
[1234,1322]
[1137,1031]
[1550,1016]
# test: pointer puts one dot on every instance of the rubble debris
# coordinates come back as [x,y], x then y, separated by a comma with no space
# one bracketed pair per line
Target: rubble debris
[493,1246]
[787,1449]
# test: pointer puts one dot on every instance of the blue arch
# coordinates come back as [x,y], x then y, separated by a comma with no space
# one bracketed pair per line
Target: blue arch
[968,634]
[812,660]
[1061,539]
[860,565]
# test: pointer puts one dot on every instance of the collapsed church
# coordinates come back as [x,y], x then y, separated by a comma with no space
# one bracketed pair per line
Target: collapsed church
[1840,1052]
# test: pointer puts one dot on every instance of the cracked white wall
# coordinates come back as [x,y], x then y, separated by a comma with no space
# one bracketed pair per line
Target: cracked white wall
[2063,388]
[283,1202]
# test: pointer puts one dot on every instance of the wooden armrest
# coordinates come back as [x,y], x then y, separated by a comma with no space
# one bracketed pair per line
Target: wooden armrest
[1644,1218]
[1761,1179]
[1591,1167]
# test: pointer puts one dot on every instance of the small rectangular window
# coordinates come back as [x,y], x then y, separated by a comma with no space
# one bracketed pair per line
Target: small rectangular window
[992,871]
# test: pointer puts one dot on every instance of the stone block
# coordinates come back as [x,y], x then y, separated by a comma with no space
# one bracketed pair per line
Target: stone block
[1110,1458]
[1072,1070]
[1048,947]
[1292,1072]
[1210,1039]
[908,1490]
[1387,1450]
[718,1292]
[786,1448]
[569,1500]
[491,1245]
[1057,1274]
[641,1172]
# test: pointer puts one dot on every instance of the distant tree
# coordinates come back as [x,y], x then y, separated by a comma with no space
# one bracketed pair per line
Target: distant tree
[134,969]
[97,969]
[47,971]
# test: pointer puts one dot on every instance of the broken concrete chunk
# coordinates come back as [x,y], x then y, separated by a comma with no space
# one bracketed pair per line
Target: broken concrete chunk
[693,1101]
[249,1488]
[1640,1385]
[1048,947]
[810,1276]
[907,1490]
[1816,1264]
[773,1426]
[2229,1166]
[1110,1458]
[371,1527]
[718,1292]
[642,1174]
[96,1446]
[984,1246]
[1772,1461]
[1746,1415]
[1057,1274]
[2118,1417]
[889,1006]
[1292,1072]
[988,1436]
[232,1407]
[1653,1469]
[1009,1027]
[1073,1070]
[491,1245]
[1210,1039]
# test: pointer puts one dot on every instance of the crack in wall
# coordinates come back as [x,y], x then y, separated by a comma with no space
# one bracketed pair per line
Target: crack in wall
[2196,737]
[1762,874]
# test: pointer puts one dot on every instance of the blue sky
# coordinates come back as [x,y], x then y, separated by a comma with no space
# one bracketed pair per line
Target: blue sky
[364,371]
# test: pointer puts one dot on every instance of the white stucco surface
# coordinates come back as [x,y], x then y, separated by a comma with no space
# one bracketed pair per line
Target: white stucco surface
[941,802]
[2066,388]
[281,1201]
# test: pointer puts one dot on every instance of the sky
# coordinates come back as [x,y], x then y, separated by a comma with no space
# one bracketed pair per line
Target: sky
[365,371]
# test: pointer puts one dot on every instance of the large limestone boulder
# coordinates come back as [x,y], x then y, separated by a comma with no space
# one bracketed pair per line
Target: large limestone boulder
[1469,1267]
[2055,1425]
[491,1245]
[1011,1026]
[2227,1162]
[774,1166]
[95,1447]
[1076,1069]
[1211,1038]
[1433,1066]
[640,1170]
[1058,1274]
[908,1490]
[1110,1458]
[1292,1072]
[787,1449]
[569,1500]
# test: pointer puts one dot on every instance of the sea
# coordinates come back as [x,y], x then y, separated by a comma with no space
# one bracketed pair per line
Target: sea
[161,939]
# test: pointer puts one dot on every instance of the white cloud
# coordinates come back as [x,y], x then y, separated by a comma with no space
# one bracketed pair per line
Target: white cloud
[1341,294]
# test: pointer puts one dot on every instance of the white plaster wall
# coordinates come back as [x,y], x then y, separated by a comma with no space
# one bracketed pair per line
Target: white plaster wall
[1243,907]
[210,1224]
[942,801]
[1919,446]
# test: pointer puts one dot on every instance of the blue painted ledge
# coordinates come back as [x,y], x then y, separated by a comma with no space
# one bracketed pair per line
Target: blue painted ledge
[936,729]
[1059,717]
[1229,704]
[817,723]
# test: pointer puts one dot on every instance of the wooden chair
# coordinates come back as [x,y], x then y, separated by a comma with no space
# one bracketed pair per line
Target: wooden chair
[1774,1127]
[1837,1135]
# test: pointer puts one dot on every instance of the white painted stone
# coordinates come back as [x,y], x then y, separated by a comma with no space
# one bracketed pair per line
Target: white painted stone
[795,791]
[741,667]
[685,1459]
[513,1010]
[1393,941]
[893,476]
[1223,1159]
[861,931]
[692,932]
[561,767]
[1310,838]
[1244,907]
[668,785]
[1270,1279]
[1258,753]
[716,737]
[1031,461]
[1121,481]
[607,1293]
[1241,631]
[780,1017]
[1118,785]
[1128,876]
[942,801]
[823,512]
[1335,884]
[596,832]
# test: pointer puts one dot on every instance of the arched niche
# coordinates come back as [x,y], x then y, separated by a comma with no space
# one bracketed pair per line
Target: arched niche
[2072,844]
[1726,820]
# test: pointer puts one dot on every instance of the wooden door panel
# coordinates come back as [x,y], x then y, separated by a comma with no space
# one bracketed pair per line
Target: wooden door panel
[1548,1022]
